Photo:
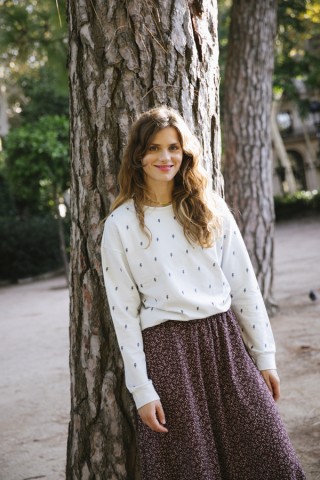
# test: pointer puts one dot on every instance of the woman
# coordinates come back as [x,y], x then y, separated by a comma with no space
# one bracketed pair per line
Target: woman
[191,324]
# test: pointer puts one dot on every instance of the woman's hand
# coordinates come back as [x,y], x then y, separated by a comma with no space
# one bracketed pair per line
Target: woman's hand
[152,414]
[273,382]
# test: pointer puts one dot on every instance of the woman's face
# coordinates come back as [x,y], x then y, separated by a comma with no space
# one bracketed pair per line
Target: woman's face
[163,158]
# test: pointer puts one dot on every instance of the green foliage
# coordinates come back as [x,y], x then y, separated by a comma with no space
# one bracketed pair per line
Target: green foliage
[34,165]
[297,49]
[31,36]
[37,162]
[33,56]
[40,97]
[299,204]
[6,202]
[29,247]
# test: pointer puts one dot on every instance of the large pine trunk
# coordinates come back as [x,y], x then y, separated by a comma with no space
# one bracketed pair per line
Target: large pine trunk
[125,57]
[247,130]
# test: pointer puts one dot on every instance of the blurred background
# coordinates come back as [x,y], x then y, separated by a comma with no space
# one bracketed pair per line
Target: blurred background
[34,139]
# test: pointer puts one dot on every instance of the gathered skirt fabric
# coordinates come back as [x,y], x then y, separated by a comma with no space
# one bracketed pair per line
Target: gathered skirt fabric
[222,420]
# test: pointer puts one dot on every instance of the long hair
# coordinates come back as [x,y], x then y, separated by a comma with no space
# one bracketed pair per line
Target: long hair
[189,198]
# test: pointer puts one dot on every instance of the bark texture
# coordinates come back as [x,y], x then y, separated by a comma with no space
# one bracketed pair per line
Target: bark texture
[125,57]
[247,130]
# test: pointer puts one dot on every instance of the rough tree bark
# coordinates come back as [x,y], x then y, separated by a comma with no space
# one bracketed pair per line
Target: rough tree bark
[247,132]
[125,57]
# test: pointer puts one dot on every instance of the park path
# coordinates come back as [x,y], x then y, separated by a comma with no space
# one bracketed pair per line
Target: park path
[34,382]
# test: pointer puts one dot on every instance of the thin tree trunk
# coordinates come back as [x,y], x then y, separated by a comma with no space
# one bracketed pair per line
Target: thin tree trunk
[281,152]
[62,242]
[247,132]
[125,57]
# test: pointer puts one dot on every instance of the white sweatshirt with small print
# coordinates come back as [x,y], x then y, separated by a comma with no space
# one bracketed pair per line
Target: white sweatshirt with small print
[170,279]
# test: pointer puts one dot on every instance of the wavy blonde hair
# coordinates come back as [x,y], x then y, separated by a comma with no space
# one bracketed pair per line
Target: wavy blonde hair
[190,193]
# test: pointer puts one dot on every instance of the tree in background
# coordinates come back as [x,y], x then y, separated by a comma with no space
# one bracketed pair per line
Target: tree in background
[297,66]
[247,132]
[297,50]
[33,35]
[296,60]
[36,149]
[34,163]
[41,96]
[33,54]
[37,156]
[125,57]
[37,171]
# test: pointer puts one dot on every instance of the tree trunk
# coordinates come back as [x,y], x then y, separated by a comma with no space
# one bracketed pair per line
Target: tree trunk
[247,132]
[280,151]
[62,239]
[125,57]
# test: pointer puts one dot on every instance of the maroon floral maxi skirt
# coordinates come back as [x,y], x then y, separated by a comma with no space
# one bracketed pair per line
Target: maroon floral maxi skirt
[222,420]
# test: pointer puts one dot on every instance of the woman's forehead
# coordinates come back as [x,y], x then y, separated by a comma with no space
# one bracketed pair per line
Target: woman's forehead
[166,135]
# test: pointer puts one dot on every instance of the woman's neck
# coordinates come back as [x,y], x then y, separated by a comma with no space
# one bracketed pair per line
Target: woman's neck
[160,196]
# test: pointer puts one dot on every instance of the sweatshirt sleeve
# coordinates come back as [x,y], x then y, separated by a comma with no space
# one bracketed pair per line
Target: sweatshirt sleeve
[246,299]
[124,302]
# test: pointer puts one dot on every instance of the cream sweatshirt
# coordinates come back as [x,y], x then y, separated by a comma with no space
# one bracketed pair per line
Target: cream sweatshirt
[170,279]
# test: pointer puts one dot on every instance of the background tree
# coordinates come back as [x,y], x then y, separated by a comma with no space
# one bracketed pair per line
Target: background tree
[297,64]
[33,35]
[34,163]
[247,133]
[33,54]
[296,47]
[125,57]
[37,171]
[40,95]
[37,157]
[36,149]
[297,50]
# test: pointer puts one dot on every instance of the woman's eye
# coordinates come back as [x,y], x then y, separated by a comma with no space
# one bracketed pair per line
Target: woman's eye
[152,148]
[174,147]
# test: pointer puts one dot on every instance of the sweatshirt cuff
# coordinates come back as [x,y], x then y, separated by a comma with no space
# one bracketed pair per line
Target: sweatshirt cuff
[144,394]
[266,361]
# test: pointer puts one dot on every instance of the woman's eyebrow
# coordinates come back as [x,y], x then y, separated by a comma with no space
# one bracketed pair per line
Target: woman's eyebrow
[170,144]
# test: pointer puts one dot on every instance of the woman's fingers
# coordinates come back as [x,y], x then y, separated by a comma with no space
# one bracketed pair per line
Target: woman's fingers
[160,414]
[152,415]
[273,382]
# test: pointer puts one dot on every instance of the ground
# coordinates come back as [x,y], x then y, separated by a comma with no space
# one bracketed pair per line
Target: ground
[34,383]
[296,328]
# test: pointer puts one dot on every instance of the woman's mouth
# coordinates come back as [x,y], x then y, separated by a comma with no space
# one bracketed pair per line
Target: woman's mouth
[164,168]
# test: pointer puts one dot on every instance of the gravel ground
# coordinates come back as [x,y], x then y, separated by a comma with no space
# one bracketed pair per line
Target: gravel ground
[34,383]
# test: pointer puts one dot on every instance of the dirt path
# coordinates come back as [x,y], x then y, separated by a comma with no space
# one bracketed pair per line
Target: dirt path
[297,332]
[34,383]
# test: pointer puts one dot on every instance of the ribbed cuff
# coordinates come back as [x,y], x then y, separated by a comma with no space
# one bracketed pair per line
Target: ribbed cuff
[144,394]
[266,361]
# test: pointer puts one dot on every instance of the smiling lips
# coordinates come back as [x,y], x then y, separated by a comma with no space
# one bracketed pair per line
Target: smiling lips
[164,168]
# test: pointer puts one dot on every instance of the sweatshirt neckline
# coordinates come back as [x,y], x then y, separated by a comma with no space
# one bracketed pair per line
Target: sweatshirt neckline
[158,208]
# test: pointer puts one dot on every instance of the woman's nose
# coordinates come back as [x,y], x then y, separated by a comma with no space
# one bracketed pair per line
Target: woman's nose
[164,155]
